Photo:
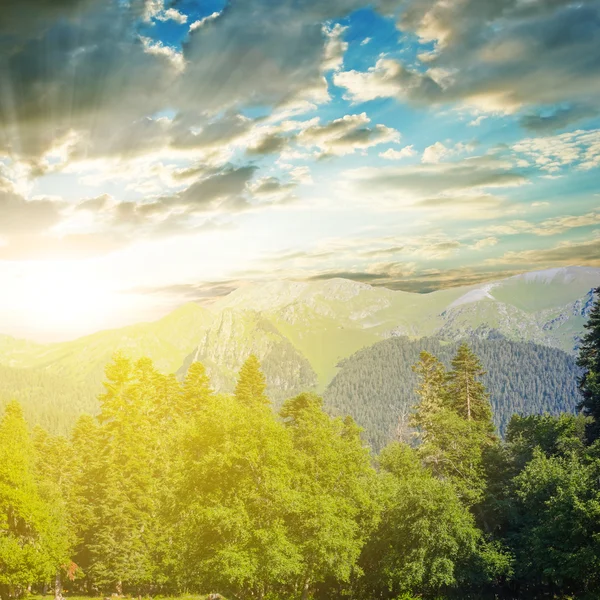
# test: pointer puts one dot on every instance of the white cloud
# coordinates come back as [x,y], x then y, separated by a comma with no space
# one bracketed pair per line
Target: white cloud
[346,135]
[580,149]
[387,79]
[484,243]
[335,48]
[477,121]
[392,154]
[201,22]
[172,14]
[435,153]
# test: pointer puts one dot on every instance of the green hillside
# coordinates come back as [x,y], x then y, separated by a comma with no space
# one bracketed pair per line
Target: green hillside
[376,385]
[301,331]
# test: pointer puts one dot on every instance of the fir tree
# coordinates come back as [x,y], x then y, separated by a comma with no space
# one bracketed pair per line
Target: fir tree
[589,361]
[467,395]
[196,388]
[251,385]
[431,390]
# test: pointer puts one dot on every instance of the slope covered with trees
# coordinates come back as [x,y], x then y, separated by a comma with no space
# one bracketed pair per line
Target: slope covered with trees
[173,488]
[377,384]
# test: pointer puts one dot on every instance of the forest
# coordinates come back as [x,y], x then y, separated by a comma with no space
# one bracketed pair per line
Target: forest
[174,489]
[520,377]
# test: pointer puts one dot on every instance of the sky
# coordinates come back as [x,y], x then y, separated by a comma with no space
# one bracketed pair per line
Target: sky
[155,152]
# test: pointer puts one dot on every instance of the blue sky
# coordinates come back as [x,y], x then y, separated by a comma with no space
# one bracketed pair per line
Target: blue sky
[155,152]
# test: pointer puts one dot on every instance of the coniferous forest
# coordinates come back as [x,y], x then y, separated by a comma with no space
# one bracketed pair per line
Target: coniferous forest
[174,489]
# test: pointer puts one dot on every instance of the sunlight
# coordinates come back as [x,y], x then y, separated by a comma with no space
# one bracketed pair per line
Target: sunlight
[62,298]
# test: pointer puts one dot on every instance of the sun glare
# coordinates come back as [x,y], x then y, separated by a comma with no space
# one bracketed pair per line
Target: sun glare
[59,299]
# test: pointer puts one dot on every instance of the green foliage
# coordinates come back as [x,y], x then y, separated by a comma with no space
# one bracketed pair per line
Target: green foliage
[174,488]
[378,387]
[557,500]
[33,544]
[425,537]
[454,421]
[335,505]
[466,393]
[231,501]
[589,361]
[251,385]
[430,391]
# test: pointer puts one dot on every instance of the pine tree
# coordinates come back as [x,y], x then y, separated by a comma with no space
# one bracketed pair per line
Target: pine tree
[196,388]
[467,395]
[251,385]
[589,361]
[431,390]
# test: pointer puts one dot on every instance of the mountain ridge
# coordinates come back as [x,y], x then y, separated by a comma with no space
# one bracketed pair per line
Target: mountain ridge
[303,330]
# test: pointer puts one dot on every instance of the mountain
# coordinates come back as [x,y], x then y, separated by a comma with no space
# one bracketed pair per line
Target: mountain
[233,336]
[376,385]
[327,321]
[73,371]
[301,331]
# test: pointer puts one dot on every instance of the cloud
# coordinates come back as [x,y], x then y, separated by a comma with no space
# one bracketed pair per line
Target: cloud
[201,22]
[559,118]
[204,292]
[494,56]
[88,70]
[21,216]
[460,186]
[224,187]
[582,253]
[346,135]
[238,58]
[484,243]
[335,48]
[408,278]
[477,121]
[580,149]
[270,144]
[392,154]
[435,153]
[552,226]
[387,79]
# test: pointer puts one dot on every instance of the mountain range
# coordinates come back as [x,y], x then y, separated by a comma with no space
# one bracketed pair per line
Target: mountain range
[301,332]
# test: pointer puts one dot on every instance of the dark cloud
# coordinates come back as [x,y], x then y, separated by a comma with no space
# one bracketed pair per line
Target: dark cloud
[88,72]
[497,55]
[269,186]
[420,282]
[558,119]
[208,193]
[26,16]
[270,144]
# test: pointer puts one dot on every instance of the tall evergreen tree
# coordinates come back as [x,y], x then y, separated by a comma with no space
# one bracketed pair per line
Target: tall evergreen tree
[467,395]
[431,390]
[196,388]
[589,361]
[251,385]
